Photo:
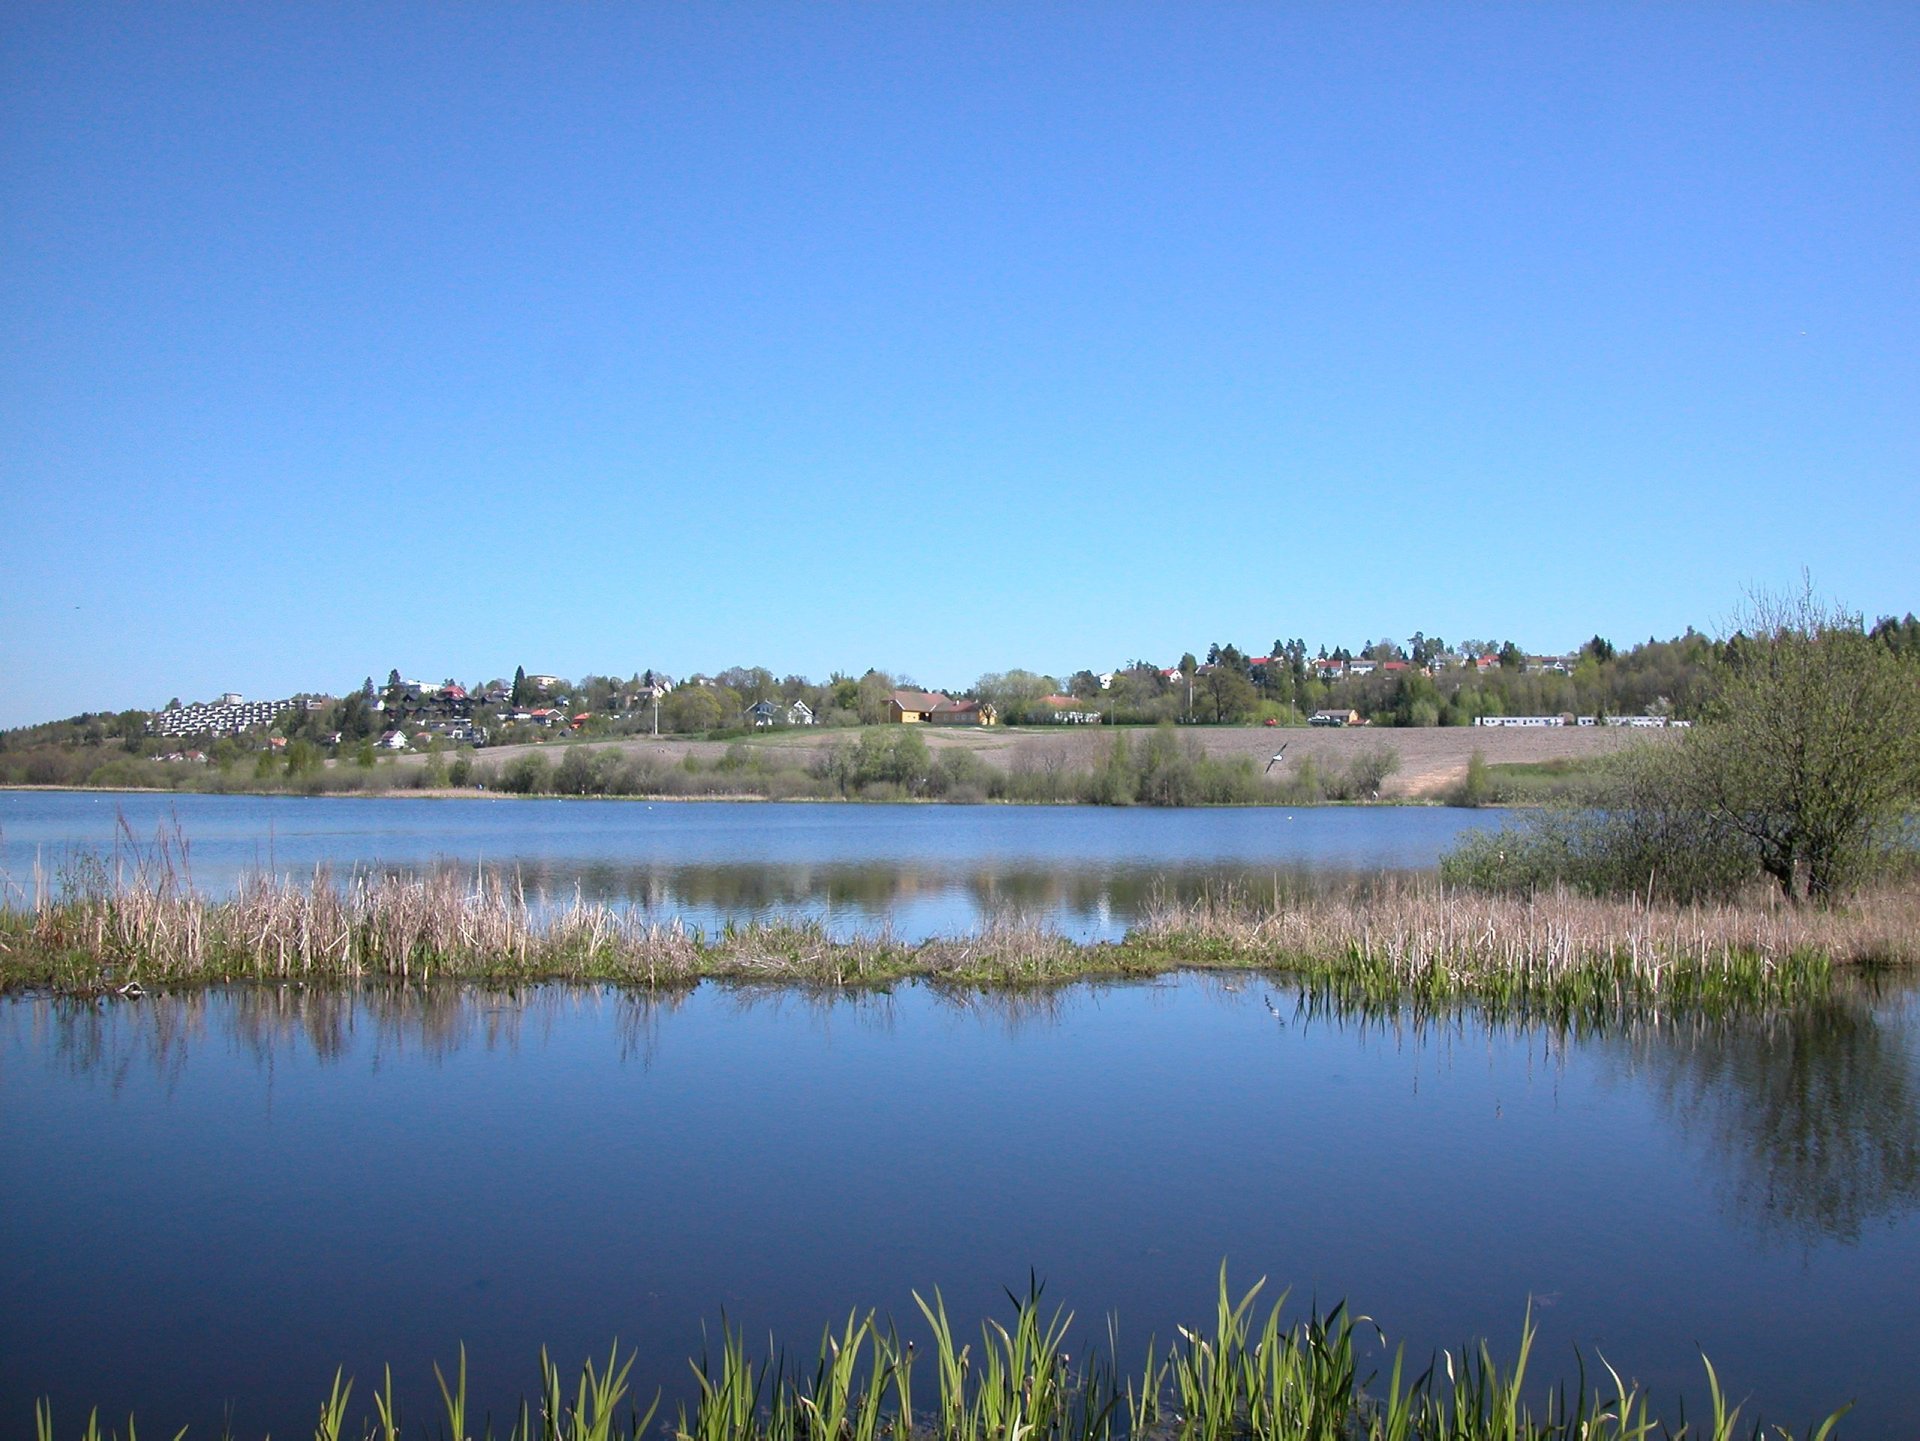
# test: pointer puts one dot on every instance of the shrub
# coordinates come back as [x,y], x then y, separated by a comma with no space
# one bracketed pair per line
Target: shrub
[525,775]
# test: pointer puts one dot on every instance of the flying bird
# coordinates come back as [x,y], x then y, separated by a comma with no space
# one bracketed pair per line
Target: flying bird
[1277,757]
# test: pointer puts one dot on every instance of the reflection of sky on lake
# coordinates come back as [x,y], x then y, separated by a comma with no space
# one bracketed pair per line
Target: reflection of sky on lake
[918,870]
[225,1194]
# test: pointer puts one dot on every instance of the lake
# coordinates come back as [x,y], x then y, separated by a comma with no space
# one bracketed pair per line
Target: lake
[216,1198]
[919,870]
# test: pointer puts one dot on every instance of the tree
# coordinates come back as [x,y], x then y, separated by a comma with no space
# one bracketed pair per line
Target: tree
[871,697]
[1015,694]
[1810,744]
[1805,752]
[521,691]
[1227,692]
[695,708]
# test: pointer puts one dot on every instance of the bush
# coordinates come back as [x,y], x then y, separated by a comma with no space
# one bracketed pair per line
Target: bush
[1364,775]
[1476,787]
[525,775]
[1633,832]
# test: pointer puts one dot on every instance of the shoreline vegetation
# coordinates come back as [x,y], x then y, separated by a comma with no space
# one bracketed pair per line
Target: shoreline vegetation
[1556,953]
[1246,1377]
[1107,766]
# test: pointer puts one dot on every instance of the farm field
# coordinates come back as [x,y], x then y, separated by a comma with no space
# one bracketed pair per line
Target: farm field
[1431,758]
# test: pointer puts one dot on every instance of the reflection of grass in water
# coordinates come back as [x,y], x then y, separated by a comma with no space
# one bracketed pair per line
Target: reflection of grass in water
[1242,1377]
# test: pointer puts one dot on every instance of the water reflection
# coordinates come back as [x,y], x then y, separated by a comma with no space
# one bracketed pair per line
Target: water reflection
[915,899]
[319,1177]
[917,870]
[1813,1116]
[108,1038]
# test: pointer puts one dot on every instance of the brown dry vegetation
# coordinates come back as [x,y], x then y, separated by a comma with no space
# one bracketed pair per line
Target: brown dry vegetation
[1419,939]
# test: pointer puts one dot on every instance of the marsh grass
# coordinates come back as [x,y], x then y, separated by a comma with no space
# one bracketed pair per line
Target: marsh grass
[1553,952]
[1550,952]
[1248,1377]
[134,920]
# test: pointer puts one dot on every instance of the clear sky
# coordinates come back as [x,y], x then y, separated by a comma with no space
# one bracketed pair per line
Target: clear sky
[942,338]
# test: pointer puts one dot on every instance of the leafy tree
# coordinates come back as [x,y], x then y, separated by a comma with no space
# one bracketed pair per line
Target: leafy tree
[694,708]
[1016,694]
[1227,692]
[356,718]
[754,683]
[1902,637]
[1810,745]
[871,696]
[1803,757]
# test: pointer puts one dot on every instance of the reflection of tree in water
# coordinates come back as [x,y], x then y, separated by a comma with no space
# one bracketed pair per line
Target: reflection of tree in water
[1816,1113]
[1118,892]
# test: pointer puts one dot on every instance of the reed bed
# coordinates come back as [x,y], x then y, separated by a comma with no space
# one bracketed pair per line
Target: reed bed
[1244,1377]
[1559,948]
[1421,940]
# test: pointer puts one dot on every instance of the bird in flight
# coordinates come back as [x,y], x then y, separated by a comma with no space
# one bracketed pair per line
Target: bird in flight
[1277,757]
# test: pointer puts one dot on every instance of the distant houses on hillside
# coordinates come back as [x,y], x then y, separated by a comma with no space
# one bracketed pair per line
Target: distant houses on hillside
[230,715]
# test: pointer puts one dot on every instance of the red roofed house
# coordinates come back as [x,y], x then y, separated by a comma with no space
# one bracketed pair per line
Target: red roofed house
[964,713]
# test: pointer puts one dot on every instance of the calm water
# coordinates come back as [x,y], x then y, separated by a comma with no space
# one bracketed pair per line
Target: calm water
[218,1198]
[923,870]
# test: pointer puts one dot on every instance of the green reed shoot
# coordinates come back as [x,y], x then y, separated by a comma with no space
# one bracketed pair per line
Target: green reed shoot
[1243,1378]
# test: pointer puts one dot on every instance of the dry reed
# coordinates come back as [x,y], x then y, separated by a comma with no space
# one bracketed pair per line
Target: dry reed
[1417,937]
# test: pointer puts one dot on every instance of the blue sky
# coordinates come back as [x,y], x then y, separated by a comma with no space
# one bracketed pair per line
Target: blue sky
[942,338]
